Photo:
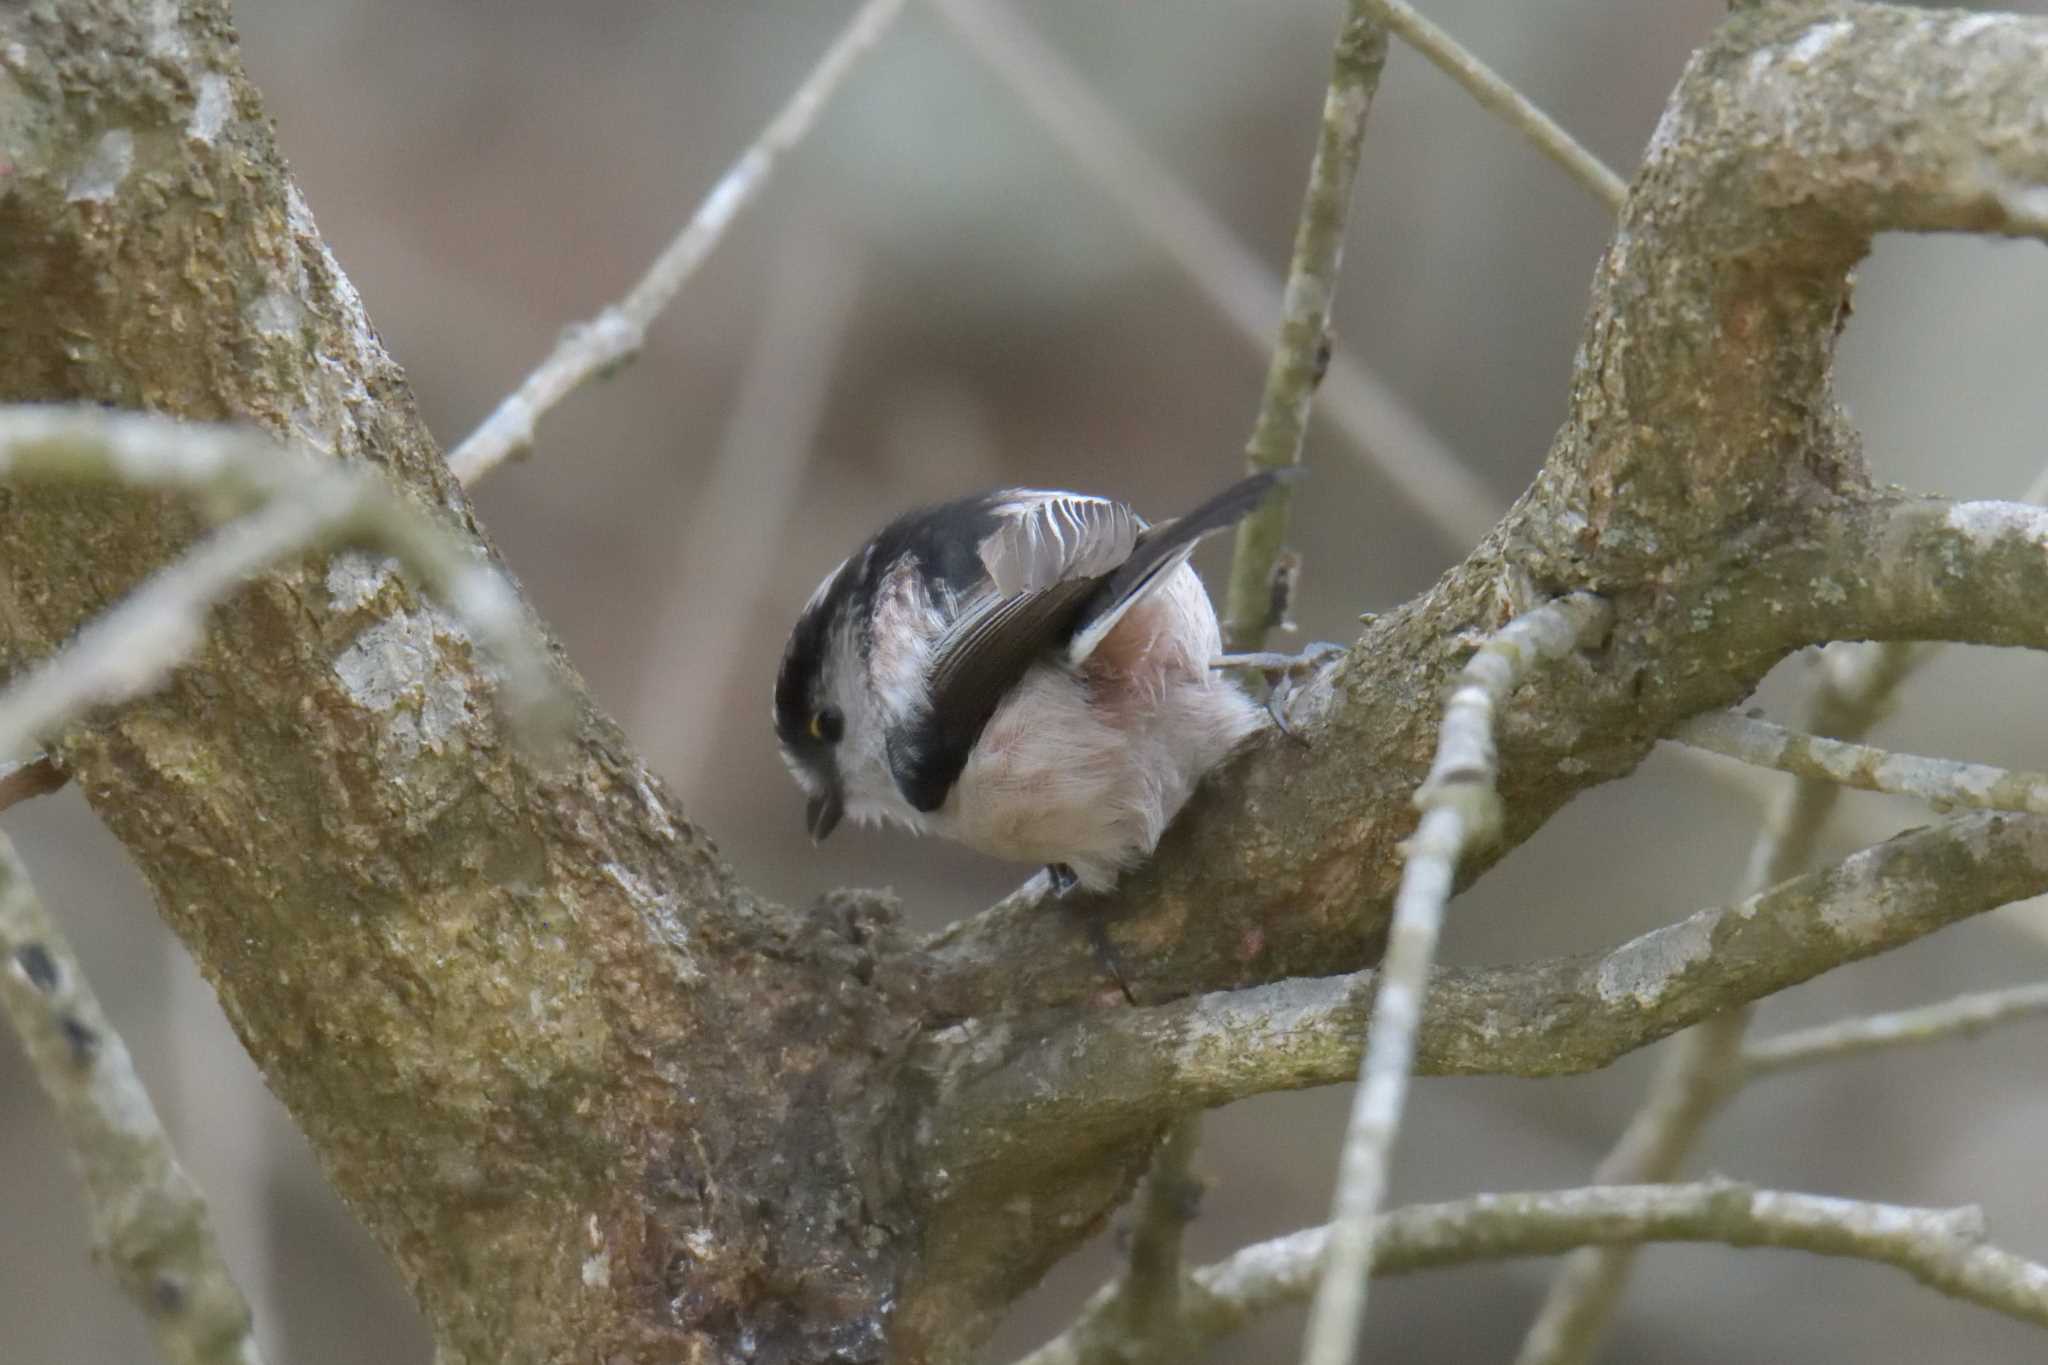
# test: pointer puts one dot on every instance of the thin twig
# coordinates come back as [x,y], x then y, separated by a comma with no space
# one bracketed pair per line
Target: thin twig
[1498,97]
[1383,430]
[1963,1017]
[1297,364]
[1460,808]
[148,1219]
[1150,1293]
[38,776]
[1704,1066]
[302,504]
[616,335]
[1942,1248]
[1942,781]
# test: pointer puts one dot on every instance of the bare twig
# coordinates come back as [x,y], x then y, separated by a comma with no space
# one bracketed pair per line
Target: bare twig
[1296,367]
[1944,1249]
[616,335]
[1963,1017]
[1498,97]
[38,776]
[302,505]
[1149,1295]
[1942,781]
[1705,1066]
[148,1218]
[1382,429]
[1460,807]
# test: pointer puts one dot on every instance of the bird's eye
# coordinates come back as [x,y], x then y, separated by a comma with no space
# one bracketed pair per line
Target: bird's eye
[828,724]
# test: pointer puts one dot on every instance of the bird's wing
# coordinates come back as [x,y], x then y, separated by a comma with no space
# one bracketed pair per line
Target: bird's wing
[1044,539]
[1062,569]
[1047,556]
[1158,552]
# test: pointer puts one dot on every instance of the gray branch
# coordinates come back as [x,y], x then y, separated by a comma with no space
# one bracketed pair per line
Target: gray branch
[1965,1016]
[1501,99]
[148,1219]
[1942,782]
[1944,1249]
[1460,809]
[1297,366]
[1704,1065]
[1096,1078]
[616,335]
[1993,544]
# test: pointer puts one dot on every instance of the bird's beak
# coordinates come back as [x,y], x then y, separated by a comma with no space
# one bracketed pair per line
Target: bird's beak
[823,812]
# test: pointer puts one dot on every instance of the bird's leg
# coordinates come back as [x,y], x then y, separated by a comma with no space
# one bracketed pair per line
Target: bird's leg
[1283,673]
[1093,923]
[1106,953]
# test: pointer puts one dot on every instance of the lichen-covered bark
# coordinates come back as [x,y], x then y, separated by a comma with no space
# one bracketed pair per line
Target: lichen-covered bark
[594,1101]
[599,1103]
[1094,1079]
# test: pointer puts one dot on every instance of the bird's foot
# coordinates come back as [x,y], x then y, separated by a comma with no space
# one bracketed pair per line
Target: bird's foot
[1283,673]
[1064,883]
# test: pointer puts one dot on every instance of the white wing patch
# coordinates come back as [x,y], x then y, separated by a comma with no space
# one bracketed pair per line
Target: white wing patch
[1049,538]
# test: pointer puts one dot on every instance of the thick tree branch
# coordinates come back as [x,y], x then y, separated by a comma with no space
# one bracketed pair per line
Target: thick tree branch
[1096,1076]
[300,506]
[1943,1249]
[521,1010]
[148,1218]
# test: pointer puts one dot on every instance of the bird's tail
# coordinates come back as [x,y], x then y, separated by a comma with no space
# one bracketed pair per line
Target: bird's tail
[1163,547]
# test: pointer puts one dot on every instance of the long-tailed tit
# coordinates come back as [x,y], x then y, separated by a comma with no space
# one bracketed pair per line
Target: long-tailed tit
[1024,671]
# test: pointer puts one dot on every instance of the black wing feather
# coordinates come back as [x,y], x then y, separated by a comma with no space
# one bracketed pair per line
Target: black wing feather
[979,666]
[1163,546]
[990,649]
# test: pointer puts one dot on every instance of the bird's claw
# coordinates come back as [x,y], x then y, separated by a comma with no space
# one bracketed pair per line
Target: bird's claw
[1064,882]
[1283,673]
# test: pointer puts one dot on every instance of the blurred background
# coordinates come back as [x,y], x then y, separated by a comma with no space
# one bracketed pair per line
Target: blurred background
[934,296]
